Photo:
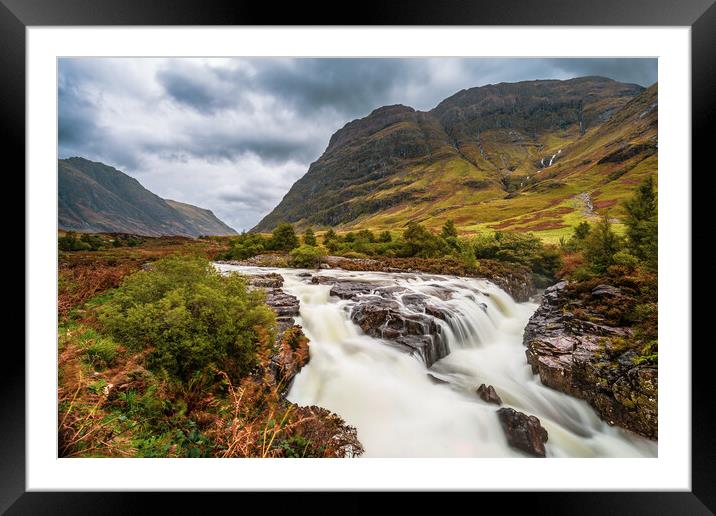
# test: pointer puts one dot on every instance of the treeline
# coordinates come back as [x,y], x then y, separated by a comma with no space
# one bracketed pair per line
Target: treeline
[415,241]
[89,242]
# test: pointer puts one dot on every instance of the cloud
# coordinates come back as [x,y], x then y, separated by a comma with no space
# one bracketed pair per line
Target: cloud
[232,135]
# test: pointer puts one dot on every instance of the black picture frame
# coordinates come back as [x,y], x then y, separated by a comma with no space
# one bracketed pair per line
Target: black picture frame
[700,15]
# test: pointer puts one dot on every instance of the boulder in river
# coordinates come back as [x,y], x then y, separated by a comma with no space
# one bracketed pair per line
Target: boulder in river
[488,394]
[523,432]
[414,332]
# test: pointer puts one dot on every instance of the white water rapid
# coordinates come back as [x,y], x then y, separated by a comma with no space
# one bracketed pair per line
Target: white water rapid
[400,411]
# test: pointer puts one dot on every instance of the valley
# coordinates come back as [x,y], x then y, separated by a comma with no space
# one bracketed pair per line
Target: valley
[476,280]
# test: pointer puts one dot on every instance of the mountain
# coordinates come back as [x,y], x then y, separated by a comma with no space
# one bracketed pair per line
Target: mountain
[204,221]
[530,156]
[94,197]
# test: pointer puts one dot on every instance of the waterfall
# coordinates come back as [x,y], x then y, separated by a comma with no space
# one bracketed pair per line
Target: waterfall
[403,409]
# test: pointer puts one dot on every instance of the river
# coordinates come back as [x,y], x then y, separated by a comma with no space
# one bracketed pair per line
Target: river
[399,410]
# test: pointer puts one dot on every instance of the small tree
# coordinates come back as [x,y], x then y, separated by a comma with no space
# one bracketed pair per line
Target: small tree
[331,240]
[328,236]
[284,238]
[449,230]
[642,223]
[365,236]
[309,238]
[601,245]
[385,237]
[582,230]
[467,254]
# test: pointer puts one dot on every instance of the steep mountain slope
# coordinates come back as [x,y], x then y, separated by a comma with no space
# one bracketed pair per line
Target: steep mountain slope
[98,198]
[523,156]
[204,221]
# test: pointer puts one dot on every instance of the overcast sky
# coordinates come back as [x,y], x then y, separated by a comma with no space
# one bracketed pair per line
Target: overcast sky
[233,135]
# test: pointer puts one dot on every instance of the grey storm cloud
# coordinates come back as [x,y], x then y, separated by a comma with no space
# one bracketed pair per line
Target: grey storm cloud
[232,135]
[192,90]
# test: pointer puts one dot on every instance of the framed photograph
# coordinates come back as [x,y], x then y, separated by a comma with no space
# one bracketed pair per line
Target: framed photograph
[268,251]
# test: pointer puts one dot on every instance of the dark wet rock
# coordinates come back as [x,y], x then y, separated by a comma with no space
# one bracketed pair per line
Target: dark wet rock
[441,292]
[429,348]
[350,290]
[414,301]
[523,432]
[416,333]
[390,291]
[587,358]
[488,394]
[420,303]
[344,288]
[437,312]
[304,275]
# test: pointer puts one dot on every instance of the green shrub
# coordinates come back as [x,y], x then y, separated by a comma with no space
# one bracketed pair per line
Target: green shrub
[190,318]
[449,230]
[385,237]
[70,242]
[283,238]
[422,243]
[582,230]
[245,246]
[306,257]
[93,241]
[626,259]
[467,254]
[600,246]
[546,261]
[101,352]
[309,237]
[364,236]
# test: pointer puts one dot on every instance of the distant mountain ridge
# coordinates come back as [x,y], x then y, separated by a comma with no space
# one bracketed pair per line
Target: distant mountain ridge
[94,197]
[524,156]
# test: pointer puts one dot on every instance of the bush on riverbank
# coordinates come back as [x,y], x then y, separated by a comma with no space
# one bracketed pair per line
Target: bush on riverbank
[306,257]
[190,318]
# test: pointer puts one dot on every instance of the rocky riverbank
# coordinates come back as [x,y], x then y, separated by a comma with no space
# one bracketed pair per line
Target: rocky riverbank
[575,351]
[291,344]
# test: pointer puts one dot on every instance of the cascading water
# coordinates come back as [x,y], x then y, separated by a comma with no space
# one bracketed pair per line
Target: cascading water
[402,409]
